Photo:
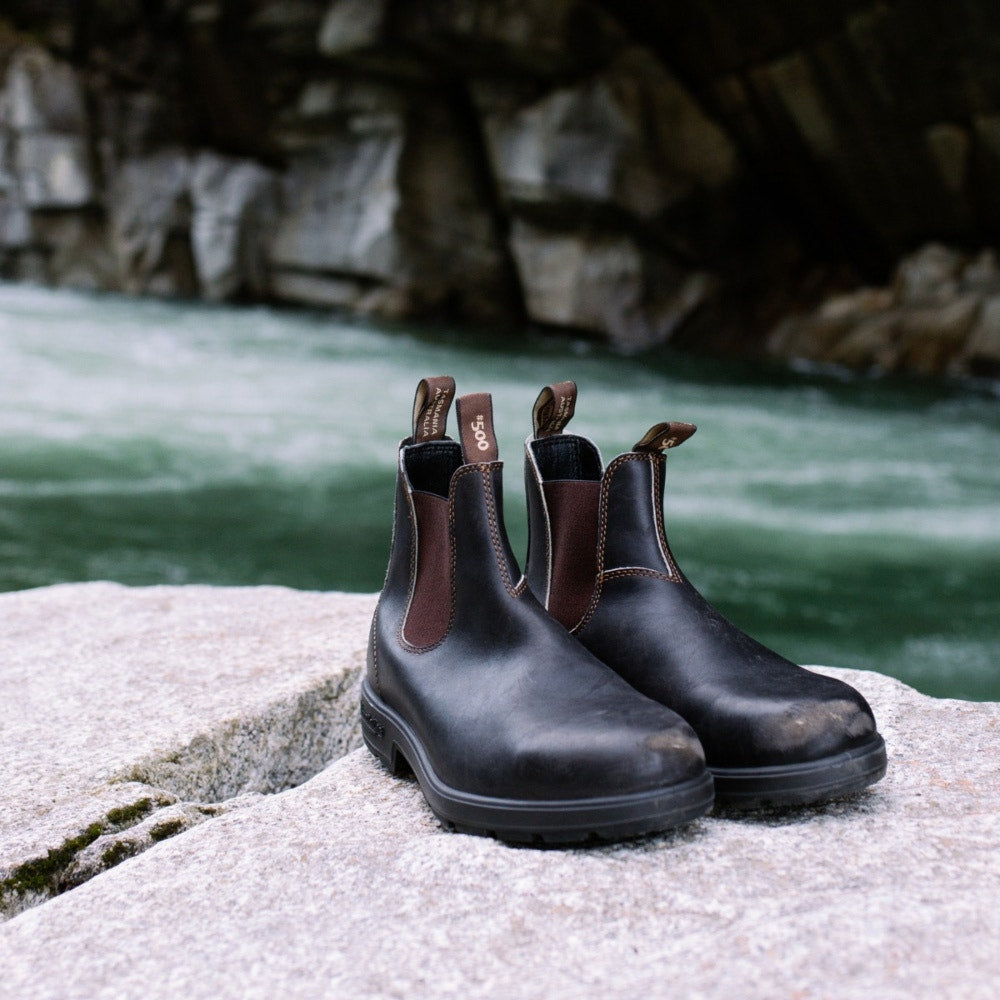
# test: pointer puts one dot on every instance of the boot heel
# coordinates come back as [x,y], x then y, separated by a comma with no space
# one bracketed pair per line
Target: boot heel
[377,731]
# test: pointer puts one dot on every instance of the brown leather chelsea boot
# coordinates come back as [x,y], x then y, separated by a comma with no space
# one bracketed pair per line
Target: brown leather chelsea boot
[511,727]
[773,732]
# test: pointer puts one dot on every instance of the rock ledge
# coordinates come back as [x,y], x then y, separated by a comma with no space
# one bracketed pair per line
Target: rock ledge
[345,885]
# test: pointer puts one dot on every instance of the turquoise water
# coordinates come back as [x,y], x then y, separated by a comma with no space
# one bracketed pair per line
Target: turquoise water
[843,521]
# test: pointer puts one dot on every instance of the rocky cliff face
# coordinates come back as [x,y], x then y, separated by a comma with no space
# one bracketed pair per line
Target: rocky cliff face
[638,172]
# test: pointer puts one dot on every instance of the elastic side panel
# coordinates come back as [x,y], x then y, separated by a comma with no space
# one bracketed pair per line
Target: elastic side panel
[430,608]
[567,456]
[573,508]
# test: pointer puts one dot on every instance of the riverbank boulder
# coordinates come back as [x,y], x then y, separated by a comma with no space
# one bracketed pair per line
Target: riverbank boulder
[941,313]
[184,814]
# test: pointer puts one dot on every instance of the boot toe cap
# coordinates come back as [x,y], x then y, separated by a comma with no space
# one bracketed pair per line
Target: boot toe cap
[609,760]
[773,731]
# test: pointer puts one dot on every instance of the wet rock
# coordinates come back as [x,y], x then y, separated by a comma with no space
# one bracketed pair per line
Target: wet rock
[385,209]
[929,276]
[132,124]
[930,337]
[54,171]
[950,146]
[351,25]
[312,288]
[43,94]
[234,206]
[538,39]
[457,261]
[980,354]
[150,223]
[15,225]
[43,111]
[339,209]
[872,341]
[77,250]
[604,284]
[631,138]
[937,316]
[380,155]
[981,275]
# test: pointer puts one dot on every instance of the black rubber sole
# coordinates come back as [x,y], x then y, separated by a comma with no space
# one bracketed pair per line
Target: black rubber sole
[801,784]
[558,821]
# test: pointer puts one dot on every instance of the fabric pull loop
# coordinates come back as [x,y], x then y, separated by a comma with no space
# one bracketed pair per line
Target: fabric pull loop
[475,420]
[662,436]
[554,408]
[430,407]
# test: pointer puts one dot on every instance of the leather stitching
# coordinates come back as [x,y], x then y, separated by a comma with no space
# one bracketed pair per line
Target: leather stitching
[602,537]
[536,476]
[411,514]
[609,473]
[491,515]
[617,574]
[374,642]
[659,464]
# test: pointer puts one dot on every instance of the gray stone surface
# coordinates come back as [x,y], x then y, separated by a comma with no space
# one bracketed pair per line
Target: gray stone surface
[940,313]
[150,215]
[631,139]
[788,154]
[340,208]
[42,94]
[42,105]
[637,296]
[54,170]
[234,207]
[165,702]
[350,25]
[345,885]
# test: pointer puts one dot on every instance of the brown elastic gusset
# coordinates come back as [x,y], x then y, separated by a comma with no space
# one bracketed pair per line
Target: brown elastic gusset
[573,513]
[475,424]
[430,407]
[659,437]
[553,409]
[430,608]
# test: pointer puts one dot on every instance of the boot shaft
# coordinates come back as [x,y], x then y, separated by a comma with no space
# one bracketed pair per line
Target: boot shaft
[450,555]
[510,724]
[587,523]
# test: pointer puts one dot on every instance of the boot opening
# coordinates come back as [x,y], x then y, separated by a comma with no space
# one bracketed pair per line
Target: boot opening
[567,456]
[429,467]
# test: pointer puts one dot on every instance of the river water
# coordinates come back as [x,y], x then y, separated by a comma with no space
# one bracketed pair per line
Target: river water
[844,521]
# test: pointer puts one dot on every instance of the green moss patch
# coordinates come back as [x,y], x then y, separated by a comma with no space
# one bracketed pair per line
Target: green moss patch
[117,853]
[167,828]
[42,874]
[129,814]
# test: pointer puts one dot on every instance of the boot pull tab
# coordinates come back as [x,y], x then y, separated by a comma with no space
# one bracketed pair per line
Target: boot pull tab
[662,436]
[554,408]
[475,421]
[430,407]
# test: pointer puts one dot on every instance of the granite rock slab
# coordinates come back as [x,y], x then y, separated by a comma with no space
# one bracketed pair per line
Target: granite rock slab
[347,886]
[131,714]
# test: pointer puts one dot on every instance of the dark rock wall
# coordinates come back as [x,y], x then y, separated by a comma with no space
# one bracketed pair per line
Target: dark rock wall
[641,172]
[876,124]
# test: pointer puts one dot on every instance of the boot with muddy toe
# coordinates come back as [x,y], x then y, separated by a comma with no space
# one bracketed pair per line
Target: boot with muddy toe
[774,733]
[510,726]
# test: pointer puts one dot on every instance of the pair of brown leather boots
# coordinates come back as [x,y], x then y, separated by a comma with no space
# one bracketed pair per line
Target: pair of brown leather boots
[598,695]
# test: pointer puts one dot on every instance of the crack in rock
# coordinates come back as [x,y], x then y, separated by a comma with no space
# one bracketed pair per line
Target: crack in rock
[231,766]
